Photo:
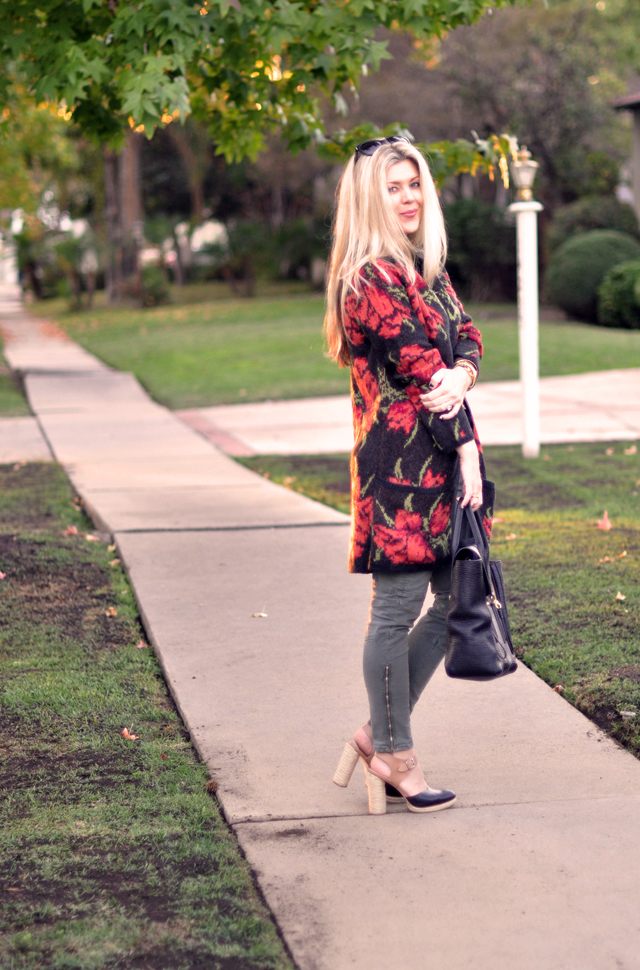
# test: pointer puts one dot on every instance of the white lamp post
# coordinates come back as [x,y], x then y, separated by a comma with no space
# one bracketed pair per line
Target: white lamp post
[526,211]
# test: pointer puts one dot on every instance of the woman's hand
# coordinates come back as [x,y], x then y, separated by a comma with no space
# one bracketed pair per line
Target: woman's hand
[449,387]
[470,474]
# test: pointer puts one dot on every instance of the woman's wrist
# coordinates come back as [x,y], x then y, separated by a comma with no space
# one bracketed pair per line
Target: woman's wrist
[468,450]
[470,370]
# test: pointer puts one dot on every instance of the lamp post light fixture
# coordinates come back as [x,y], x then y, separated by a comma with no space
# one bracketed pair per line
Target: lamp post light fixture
[523,171]
[526,209]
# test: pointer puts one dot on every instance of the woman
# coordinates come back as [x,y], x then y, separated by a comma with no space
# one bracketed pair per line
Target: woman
[394,319]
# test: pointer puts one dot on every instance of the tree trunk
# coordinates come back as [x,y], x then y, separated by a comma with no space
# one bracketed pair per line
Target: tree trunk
[113,275]
[131,221]
[123,218]
[194,149]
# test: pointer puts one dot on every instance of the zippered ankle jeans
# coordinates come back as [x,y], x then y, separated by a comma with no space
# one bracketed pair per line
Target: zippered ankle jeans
[399,661]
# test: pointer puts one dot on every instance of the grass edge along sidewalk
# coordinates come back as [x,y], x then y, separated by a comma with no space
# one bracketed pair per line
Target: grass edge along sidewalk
[114,853]
[229,351]
[573,590]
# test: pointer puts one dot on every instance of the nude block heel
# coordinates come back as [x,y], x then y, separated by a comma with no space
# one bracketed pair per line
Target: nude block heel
[346,765]
[377,794]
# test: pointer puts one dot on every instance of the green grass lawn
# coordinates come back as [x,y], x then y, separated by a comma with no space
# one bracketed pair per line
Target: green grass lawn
[13,403]
[573,590]
[232,350]
[113,852]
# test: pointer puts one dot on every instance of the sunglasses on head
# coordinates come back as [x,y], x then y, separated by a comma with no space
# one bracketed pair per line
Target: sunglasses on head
[369,147]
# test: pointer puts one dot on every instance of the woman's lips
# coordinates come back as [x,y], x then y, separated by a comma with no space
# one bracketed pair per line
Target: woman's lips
[409,215]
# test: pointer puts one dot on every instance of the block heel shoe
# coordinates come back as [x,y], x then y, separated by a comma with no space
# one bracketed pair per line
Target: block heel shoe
[375,785]
[427,800]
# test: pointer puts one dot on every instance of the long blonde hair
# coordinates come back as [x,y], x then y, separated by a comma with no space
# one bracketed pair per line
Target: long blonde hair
[366,229]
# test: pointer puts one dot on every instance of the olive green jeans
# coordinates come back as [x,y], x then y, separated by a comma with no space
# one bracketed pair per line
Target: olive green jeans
[400,658]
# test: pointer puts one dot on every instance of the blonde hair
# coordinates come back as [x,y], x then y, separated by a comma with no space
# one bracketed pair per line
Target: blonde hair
[367,229]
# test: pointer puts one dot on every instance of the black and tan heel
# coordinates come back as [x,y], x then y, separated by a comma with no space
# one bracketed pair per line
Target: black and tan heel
[427,800]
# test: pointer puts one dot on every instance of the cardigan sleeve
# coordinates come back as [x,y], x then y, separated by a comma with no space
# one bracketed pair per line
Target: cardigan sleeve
[469,343]
[383,313]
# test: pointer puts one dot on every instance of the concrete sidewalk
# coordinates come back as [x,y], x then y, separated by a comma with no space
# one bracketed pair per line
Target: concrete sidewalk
[536,868]
[604,406]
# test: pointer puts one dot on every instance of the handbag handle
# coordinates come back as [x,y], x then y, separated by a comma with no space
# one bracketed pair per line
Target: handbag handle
[476,529]
[480,539]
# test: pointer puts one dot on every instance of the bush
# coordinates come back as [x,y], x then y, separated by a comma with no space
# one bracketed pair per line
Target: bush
[482,250]
[579,265]
[592,212]
[619,297]
[154,288]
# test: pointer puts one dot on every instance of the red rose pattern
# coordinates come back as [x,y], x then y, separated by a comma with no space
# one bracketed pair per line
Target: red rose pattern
[440,518]
[402,417]
[406,542]
[362,515]
[429,480]
[419,363]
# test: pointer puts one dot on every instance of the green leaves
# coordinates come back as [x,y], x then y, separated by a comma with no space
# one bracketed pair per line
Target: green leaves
[246,68]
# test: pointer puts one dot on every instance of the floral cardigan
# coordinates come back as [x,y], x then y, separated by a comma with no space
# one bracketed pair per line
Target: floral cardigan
[404,462]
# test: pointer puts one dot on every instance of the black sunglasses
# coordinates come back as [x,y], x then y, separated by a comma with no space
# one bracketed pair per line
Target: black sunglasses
[369,147]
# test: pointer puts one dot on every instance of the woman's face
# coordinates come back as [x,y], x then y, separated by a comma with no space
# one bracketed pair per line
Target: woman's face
[403,185]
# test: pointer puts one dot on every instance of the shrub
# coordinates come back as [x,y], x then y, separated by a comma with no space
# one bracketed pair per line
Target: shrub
[592,212]
[154,288]
[619,296]
[579,265]
[482,249]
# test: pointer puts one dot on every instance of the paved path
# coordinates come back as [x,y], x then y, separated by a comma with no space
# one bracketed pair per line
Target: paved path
[571,409]
[536,868]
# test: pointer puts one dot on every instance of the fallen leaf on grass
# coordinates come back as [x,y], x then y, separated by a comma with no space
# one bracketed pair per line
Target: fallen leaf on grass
[71,530]
[112,611]
[620,596]
[627,715]
[112,547]
[622,554]
[546,457]
[604,522]
[558,688]
[496,519]
[141,645]
[631,451]
[609,451]
[114,562]
[289,480]
[606,559]
[570,448]
[163,756]
[128,736]
[91,538]
[511,535]
[3,575]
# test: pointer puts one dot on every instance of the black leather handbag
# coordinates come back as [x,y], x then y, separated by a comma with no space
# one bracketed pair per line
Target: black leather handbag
[479,639]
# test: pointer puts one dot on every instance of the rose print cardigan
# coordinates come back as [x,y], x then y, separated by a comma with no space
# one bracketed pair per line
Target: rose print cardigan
[404,461]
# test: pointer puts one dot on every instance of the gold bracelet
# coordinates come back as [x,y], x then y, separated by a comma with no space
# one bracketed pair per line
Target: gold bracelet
[470,369]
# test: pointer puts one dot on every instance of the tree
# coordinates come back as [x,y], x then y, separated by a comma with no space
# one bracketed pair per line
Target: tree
[35,150]
[548,73]
[246,67]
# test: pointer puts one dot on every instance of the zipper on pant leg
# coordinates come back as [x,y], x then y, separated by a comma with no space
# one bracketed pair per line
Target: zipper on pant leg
[386,692]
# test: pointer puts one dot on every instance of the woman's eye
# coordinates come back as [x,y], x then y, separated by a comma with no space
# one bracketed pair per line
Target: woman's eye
[393,188]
